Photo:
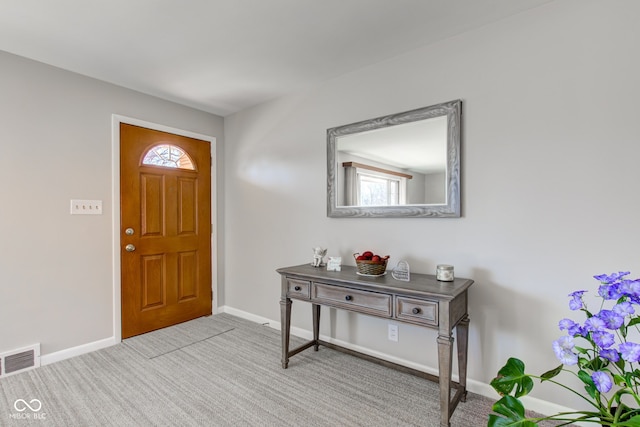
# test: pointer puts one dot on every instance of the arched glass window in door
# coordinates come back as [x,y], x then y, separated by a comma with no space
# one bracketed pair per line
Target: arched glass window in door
[168,156]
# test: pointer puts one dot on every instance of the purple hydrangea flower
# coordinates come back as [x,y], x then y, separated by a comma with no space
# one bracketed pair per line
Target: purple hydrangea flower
[600,329]
[610,354]
[610,292]
[564,343]
[566,324]
[573,328]
[563,347]
[602,380]
[624,309]
[630,288]
[603,339]
[611,319]
[578,331]
[630,351]
[576,300]
[612,277]
[594,324]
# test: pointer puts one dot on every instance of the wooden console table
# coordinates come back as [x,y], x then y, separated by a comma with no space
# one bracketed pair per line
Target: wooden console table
[422,301]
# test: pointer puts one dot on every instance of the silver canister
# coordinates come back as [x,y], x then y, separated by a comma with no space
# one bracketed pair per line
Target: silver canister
[444,273]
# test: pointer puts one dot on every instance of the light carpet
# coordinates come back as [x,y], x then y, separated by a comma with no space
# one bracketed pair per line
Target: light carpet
[224,371]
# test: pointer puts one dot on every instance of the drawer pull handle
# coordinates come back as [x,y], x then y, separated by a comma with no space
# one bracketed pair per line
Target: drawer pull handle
[297,288]
[348,297]
[416,310]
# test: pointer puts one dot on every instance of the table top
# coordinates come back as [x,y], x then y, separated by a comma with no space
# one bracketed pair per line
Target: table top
[421,285]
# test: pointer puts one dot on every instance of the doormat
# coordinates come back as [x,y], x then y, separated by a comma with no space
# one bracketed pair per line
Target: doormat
[167,340]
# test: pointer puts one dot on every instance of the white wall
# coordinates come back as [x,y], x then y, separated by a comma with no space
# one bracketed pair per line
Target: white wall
[56,270]
[549,181]
[435,188]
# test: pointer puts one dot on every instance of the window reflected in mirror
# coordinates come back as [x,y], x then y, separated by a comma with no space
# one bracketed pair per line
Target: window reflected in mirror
[366,185]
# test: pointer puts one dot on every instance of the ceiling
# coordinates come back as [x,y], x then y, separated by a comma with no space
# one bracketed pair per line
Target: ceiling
[419,146]
[222,56]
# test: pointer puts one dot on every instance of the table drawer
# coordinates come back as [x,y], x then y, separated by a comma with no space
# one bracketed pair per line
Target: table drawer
[417,311]
[298,288]
[363,301]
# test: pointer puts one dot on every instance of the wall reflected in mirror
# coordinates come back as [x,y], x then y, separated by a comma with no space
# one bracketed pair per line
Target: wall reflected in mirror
[405,164]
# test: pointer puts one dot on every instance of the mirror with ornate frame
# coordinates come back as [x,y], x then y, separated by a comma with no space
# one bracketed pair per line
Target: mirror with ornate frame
[400,165]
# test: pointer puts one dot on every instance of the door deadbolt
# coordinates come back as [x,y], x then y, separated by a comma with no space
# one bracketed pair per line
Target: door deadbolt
[129,232]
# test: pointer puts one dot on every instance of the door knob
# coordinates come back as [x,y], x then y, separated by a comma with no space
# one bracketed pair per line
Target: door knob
[129,248]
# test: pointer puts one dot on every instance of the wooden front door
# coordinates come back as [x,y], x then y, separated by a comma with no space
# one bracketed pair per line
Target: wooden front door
[165,199]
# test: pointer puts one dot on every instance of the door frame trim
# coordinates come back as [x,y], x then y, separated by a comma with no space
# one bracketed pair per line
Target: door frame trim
[116,120]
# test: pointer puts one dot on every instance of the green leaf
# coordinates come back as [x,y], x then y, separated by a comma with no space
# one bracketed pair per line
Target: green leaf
[496,421]
[552,373]
[510,407]
[634,321]
[581,349]
[512,411]
[632,422]
[585,377]
[592,390]
[512,376]
[619,380]
[620,364]
[623,331]
[590,387]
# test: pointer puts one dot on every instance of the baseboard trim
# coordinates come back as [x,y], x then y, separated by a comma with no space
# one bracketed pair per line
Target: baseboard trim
[68,353]
[245,315]
[478,387]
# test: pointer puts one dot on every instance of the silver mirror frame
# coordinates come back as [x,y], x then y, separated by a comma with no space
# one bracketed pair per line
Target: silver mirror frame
[451,209]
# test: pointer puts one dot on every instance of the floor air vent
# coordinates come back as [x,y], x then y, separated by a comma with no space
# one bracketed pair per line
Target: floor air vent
[19,360]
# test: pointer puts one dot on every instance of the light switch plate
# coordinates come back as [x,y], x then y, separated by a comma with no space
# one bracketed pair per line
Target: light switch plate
[86,207]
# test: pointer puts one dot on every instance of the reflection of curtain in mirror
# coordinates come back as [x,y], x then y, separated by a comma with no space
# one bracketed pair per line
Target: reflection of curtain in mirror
[351,196]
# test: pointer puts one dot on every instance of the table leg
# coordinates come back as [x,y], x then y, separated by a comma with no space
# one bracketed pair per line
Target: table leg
[315,309]
[445,354]
[285,327]
[462,335]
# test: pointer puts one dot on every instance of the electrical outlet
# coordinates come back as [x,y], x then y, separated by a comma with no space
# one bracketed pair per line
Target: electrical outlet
[86,207]
[393,332]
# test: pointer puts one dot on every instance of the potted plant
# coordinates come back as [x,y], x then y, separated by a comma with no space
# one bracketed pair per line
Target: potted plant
[600,352]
